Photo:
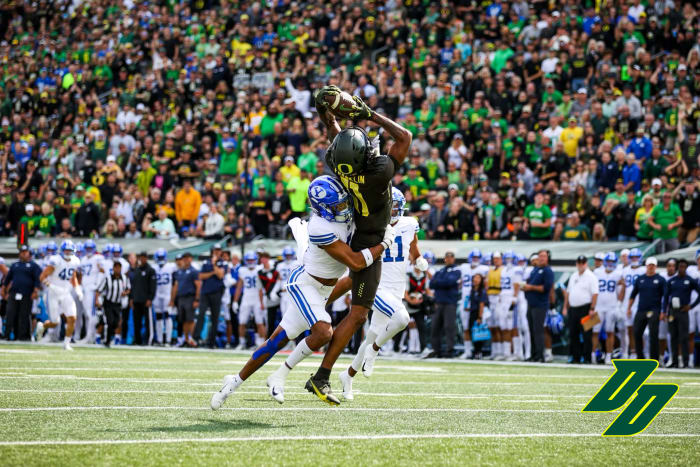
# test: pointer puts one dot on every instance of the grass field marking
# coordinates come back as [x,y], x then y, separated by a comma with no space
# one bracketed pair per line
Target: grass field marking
[397,436]
[301,409]
[201,381]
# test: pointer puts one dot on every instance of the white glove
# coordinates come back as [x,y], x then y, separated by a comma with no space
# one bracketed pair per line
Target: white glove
[79,292]
[389,235]
[172,311]
[234,307]
[421,264]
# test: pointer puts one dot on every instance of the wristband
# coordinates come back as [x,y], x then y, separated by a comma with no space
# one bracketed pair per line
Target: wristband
[368,256]
[385,244]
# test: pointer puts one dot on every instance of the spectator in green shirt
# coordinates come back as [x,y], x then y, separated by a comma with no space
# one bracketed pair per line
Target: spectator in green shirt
[574,230]
[307,160]
[416,183]
[30,218]
[145,176]
[298,188]
[47,221]
[665,219]
[538,218]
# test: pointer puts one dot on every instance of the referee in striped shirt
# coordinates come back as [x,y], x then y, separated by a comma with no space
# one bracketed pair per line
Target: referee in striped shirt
[113,288]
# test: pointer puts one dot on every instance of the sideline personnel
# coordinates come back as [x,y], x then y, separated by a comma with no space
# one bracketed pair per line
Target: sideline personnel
[580,298]
[537,289]
[21,288]
[651,288]
[678,304]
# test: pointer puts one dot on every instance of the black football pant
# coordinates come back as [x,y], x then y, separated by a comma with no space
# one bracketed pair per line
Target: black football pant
[444,323]
[535,320]
[641,320]
[678,325]
[578,338]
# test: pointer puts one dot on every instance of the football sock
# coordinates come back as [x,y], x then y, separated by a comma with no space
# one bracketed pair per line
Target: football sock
[525,336]
[517,347]
[237,381]
[159,331]
[300,352]
[468,347]
[505,348]
[168,330]
[357,361]
[547,353]
[413,340]
[322,374]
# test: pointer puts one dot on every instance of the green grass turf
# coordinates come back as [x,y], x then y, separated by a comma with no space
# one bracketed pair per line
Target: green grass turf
[136,407]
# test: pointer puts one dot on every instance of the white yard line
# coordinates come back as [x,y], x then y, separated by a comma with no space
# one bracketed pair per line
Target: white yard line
[348,437]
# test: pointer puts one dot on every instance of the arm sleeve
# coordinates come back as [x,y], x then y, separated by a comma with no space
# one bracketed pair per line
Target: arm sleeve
[695,286]
[548,279]
[323,239]
[635,290]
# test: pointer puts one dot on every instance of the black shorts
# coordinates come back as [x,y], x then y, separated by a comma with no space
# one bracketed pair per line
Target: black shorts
[185,308]
[365,283]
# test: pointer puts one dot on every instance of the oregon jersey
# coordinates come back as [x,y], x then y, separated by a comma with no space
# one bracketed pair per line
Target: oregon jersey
[371,194]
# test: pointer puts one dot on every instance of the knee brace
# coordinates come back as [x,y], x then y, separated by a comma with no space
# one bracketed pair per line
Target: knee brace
[271,347]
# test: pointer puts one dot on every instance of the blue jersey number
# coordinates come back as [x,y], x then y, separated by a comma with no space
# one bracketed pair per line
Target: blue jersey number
[250,282]
[398,241]
[86,268]
[66,274]
[606,286]
[162,279]
[467,281]
[505,283]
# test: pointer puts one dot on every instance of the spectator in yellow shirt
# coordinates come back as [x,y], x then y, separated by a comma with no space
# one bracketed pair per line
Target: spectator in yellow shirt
[187,202]
[289,170]
[570,137]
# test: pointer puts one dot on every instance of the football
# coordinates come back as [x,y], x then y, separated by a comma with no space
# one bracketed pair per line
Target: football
[340,104]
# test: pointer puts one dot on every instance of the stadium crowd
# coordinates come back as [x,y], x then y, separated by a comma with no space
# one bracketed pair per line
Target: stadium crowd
[531,120]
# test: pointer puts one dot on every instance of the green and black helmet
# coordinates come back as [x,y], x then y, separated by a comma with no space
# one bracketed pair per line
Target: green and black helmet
[349,151]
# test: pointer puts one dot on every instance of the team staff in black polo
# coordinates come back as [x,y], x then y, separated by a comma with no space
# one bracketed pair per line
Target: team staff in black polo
[537,289]
[186,288]
[21,287]
[212,278]
[113,288]
[651,288]
[677,307]
[143,289]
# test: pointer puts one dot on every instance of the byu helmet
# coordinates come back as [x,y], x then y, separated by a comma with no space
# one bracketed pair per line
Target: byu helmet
[330,200]
[398,204]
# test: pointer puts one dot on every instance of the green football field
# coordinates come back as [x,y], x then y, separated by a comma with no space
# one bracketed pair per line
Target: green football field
[148,407]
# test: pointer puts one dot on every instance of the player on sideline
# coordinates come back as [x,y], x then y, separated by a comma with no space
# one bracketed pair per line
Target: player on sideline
[694,314]
[59,277]
[164,285]
[630,274]
[366,174]
[469,269]
[510,289]
[389,315]
[521,331]
[611,290]
[91,269]
[310,285]
[252,303]
[284,268]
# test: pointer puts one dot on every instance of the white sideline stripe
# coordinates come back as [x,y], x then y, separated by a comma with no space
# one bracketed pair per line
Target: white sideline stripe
[215,369]
[195,354]
[401,436]
[306,409]
[194,381]
[546,398]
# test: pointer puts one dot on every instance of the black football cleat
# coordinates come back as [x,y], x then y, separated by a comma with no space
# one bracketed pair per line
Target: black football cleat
[322,390]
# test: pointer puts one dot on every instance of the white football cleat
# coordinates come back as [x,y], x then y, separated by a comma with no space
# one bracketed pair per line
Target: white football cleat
[368,362]
[499,357]
[466,355]
[346,384]
[276,388]
[40,330]
[608,359]
[511,358]
[240,346]
[218,399]
[66,346]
